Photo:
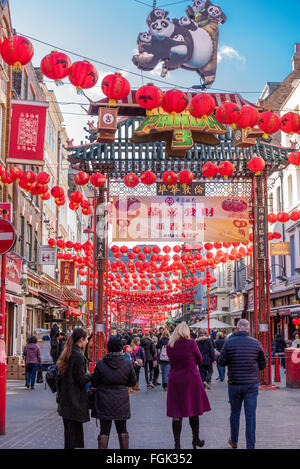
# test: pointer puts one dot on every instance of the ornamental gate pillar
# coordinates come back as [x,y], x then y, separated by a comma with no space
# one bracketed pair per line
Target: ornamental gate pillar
[262,315]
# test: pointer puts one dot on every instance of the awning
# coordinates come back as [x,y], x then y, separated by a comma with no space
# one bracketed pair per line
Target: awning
[53,300]
[130,107]
[212,324]
[14,299]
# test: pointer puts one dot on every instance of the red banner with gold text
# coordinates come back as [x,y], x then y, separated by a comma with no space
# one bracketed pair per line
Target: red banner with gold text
[27,135]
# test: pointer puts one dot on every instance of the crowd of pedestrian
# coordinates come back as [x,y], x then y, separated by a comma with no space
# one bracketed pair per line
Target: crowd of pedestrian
[182,358]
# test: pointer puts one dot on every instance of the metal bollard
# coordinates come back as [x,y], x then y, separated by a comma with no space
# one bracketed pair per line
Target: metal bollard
[277,378]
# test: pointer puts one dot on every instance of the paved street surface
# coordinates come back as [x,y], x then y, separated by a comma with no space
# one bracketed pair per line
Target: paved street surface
[33,423]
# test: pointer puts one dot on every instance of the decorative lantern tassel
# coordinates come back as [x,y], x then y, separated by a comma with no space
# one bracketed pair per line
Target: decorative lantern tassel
[59,82]
[17,67]
[79,90]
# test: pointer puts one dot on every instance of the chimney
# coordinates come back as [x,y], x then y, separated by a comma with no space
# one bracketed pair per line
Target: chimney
[296,58]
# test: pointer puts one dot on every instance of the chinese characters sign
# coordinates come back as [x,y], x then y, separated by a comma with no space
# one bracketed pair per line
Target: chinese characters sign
[180,132]
[180,219]
[278,249]
[67,273]
[196,188]
[27,132]
[262,245]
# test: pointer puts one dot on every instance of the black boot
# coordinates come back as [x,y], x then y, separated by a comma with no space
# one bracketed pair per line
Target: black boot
[176,426]
[194,423]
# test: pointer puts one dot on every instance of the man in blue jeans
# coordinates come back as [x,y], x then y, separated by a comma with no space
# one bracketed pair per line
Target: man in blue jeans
[244,357]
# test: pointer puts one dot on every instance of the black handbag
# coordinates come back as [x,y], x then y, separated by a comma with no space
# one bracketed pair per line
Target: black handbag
[40,378]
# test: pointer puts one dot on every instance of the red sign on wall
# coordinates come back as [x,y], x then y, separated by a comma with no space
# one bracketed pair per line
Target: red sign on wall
[213,302]
[67,273]
[27,132]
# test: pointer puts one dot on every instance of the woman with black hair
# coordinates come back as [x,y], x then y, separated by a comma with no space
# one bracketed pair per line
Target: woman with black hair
[112,376]
[73,377]
[32,360]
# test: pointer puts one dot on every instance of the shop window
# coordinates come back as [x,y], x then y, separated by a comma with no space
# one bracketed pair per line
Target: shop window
[29,242]
[22,235]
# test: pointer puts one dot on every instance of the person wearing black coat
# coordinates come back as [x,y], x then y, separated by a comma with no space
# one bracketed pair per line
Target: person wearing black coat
[219,342]
[244,357]
[206,348]
[278,346]
[73,377]
[112,377]
[150,350]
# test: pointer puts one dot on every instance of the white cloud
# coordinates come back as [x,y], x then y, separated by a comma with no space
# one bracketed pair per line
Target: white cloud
[227,52]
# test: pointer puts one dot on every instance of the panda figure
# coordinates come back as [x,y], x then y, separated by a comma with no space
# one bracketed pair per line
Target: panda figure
[187,23]
[216,14]
[157,14]
[158,44]
[198,12]
[144,41]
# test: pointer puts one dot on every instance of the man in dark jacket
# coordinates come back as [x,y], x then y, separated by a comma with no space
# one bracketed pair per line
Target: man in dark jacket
[206,348]
[150,350]
[244,357]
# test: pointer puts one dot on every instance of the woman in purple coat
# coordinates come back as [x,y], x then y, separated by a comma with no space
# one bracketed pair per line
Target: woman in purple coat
[186,394]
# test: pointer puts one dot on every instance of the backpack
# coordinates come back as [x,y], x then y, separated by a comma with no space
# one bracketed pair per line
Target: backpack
[163,356]
[51,378]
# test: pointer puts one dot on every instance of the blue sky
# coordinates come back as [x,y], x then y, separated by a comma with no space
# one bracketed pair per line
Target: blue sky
[257,41]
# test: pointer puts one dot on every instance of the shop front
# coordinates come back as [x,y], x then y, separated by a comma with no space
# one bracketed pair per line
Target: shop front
[14,305]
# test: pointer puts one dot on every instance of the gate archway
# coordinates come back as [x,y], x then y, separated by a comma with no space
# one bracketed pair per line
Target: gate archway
[117,159]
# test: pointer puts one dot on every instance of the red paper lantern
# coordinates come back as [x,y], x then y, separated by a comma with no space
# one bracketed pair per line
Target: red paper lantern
[201,105]
[209,170]
[283,217]
[272,218]
[248,118]
[294,158]
[115,87]
[81,178]
[83,75]
[87,211]
[149,97]
[148,178]
[56,66]
[51,242]
[16,174]
[269,123]
[228,113]
[170,178]
[57,192]
[208,246]
[290,123]
[174,102]
[29,177]
[43,178]
[226,169]
[16,51]
[276,235]
[45,196]
[131,180]
[256,165]
[69,245]
[294,216]
[61,244]
[186,176]
[97,179]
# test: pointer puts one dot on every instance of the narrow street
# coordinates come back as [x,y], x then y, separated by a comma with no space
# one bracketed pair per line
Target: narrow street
[33,423]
